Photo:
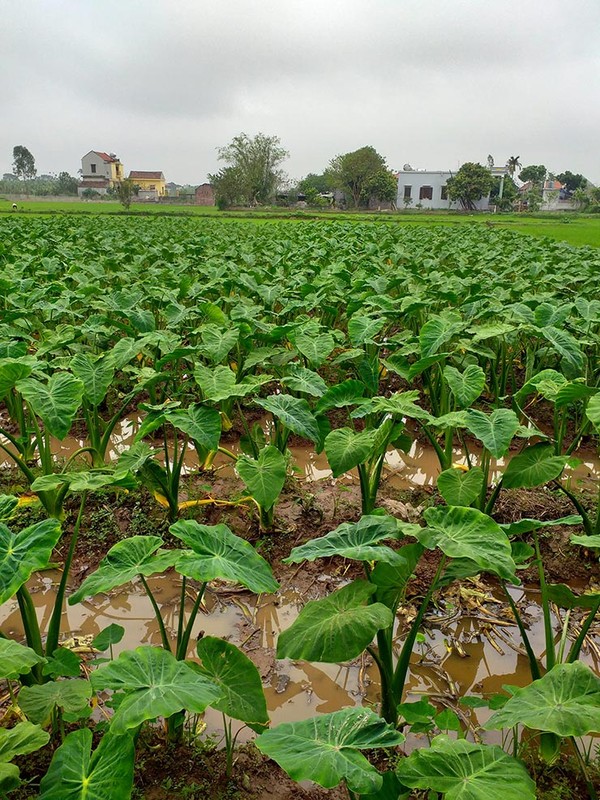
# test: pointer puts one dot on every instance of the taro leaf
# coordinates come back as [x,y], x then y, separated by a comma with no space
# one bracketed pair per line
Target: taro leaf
[112,634]
[566,346]
[325,749]
[215,552]
[562,595]
[55,402]
[460,488]
[362,329]
[572,392]
[461,770]
[125,561]
[357,540]
[134,458]
[314,347]
[592,411]
[16,659]
[528,525]
[401,404]
[84,481]
[220,383]
[566,701]
[454,419]
[495,431]
[294,413]
[465,386]
[471,534]
[155,685]
[201,423]
[345,449]
[11,372]
[336,628]
[75,773]
[239,680]
[216,343]
[95,374]
[586,540]
[391,579]
[23,552]
[8,504]
[64,663]
[39,701]
[304,380]
[347,393]
[534,466]
[18,741]
[436,332]
[264,476]
[401,365]
[547,383]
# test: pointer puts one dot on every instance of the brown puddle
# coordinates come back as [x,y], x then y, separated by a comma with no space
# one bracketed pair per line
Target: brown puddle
[418,467]
[297,690]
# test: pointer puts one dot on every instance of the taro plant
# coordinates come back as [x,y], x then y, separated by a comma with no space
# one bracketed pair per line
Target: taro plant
[51,409]
[341,626]
[213,552]
[264,478]
[198,424]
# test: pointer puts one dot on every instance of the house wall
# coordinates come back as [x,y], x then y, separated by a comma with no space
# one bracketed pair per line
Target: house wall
[205,195]
[419,179]
[113,170]
[151,187]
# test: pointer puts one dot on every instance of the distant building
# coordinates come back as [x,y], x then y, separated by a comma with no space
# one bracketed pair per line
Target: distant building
[99,171]
[204,195]
[555,196]
[421,188]
[152,184]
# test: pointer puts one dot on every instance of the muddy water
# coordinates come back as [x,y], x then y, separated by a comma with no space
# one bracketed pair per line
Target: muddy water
[299,690]
[418,467]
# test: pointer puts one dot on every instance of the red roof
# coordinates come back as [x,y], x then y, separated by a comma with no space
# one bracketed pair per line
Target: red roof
[151,176]
[105,156]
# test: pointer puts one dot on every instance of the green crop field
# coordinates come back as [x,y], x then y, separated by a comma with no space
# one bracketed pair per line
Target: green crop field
[158,376]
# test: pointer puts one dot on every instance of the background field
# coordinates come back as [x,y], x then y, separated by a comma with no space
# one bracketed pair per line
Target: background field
[576,229]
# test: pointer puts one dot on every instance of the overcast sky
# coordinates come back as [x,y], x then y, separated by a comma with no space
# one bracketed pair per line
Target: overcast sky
[433,83]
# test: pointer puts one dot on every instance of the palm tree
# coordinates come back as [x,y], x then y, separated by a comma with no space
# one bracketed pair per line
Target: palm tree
[513,164]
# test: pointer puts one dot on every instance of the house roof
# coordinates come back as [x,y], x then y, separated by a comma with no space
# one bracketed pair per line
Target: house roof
[141,174]
[105,157]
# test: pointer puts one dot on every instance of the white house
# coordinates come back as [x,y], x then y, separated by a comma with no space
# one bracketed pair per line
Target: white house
[427,189]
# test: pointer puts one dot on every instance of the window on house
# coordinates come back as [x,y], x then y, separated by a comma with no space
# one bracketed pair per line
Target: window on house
[93,168]
[426,193]
[407,192]
[444,193]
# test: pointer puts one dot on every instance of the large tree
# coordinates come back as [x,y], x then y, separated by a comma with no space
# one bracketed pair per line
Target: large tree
[23,163]
[572,181]
[470,184]
[351,172]
[253,173]
[536,173]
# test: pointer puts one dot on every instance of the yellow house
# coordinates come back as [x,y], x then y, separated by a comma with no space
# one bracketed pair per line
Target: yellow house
[152,184]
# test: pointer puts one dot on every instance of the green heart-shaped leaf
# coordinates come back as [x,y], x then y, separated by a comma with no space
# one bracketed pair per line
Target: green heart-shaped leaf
[345,449]
[337,628]
[460,488]
[39,701]
[55,402]
[535,466]
[18,741]
[465,386]
[264,476]
[123,563]
[23,552]
[96,374]
[75,773]
[16,659]
[461,770]
[325,749]
[218,553]
[155,684]
[470,534]
[495,431]
[294,413]
[357,540]
[566,701]
[239,680]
